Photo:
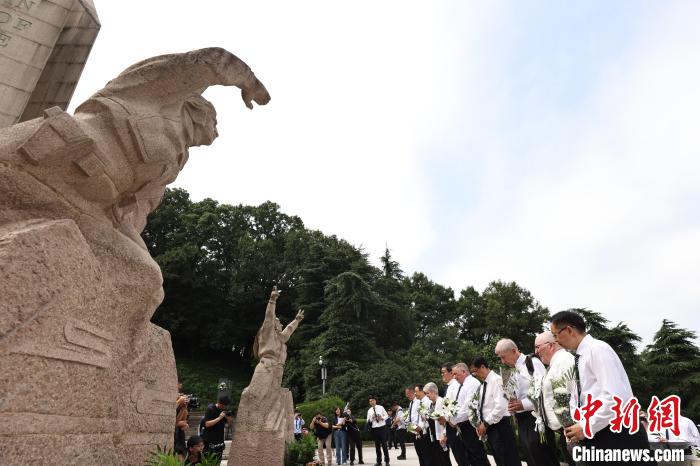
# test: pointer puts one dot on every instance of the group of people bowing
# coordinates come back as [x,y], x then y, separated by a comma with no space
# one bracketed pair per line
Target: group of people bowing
[484,412]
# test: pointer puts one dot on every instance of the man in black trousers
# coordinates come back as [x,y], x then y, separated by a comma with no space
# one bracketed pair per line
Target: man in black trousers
[377,416]
[467,443]
[526,367]
[419,439]
[599,373]
[494,420]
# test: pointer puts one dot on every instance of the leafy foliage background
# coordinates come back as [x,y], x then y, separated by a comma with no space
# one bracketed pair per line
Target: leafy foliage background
[377,328]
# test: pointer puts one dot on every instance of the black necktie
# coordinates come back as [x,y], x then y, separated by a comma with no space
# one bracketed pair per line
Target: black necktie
[543,409]
[481,405]
[578,380]
[410,412]
[458,390]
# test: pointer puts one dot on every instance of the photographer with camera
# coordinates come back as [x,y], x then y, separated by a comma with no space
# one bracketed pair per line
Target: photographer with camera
[354,437]
[377,417]
[298,424]
[322,431]
[181,426]
[215,420]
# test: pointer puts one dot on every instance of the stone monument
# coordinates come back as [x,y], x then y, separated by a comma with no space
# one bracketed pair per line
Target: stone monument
[265,422]
[43,48]
[85,378]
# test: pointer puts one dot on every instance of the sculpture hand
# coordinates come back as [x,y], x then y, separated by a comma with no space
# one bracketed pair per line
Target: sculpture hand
[256,93]
[274,295]
[300,315]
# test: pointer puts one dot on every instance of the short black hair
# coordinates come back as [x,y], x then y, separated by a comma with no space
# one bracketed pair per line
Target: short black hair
[224,400]
[480,361]
[194,440]
[419,387]
[570,318]
[447,366]
[372,397]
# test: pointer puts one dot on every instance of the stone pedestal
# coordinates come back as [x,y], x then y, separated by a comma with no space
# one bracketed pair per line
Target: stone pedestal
[263,429]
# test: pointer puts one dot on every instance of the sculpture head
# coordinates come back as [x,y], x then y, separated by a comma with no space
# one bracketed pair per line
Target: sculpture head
[199,121]
[278,325]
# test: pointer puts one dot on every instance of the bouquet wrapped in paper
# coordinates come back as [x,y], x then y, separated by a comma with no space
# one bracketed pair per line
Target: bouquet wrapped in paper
[410,426]
[562,391]
[510,384]
[473,412]
[534,392]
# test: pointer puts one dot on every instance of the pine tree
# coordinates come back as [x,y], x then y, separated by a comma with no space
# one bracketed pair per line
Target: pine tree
[672,362]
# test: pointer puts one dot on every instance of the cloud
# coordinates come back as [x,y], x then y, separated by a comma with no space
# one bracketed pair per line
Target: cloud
[611,226]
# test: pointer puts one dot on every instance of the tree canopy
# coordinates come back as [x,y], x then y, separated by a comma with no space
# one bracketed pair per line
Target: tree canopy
[378,329]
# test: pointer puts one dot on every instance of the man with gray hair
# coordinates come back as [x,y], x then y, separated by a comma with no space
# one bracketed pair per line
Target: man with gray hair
[559,361]
[439,454]
[461,435]
[536,453]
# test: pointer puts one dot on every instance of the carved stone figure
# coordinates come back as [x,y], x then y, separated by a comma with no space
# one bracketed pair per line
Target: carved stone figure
[85,378]
[265,414]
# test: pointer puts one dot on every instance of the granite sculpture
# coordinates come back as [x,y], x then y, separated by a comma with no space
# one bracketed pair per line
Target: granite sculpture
[264,424]
[85,378]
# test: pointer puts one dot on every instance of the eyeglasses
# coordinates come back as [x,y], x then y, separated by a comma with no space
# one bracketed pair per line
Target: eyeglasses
[556,334]
[537,347]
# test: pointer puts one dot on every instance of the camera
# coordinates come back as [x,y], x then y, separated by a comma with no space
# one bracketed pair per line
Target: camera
[229,413]
[192,401]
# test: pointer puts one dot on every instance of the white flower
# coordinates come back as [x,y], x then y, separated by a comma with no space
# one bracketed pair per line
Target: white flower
[561,391]
[559,410]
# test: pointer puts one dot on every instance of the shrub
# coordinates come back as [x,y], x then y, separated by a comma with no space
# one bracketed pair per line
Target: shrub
[166,457]
[324,405]
[301,452]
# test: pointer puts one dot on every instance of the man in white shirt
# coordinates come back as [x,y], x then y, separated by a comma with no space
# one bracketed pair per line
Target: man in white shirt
[599,373]
[467,441]
[558,361]
[439,454]
[457,447]
[399,426]
[527,367]
[420,443]
[493,415]
[377,415]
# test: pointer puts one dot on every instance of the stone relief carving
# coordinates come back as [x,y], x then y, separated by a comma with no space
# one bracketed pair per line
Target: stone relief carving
[85,377]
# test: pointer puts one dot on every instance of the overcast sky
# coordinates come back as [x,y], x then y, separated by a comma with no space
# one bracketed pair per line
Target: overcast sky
[550,143]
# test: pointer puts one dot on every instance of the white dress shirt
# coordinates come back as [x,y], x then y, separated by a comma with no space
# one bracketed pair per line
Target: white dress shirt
[400,424]
[452,389]
[561,361]
[469,387]
[423,420]
[495,405]
[689,431]
[524,380]
[602,375]
[439,429]
[381,415]
[413,406]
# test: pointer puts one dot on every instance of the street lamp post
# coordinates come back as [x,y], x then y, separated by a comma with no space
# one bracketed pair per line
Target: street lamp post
[324,374]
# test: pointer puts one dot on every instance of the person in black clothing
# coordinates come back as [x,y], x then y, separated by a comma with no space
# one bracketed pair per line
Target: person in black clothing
[215,420]
[195,445]
[354,437]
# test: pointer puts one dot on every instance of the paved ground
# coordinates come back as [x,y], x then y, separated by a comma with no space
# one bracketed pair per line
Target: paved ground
[369,456]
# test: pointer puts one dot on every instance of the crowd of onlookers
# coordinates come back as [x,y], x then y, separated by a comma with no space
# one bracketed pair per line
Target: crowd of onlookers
[211,430]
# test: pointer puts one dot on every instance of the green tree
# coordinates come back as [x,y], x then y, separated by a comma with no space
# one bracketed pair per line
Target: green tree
[672,362]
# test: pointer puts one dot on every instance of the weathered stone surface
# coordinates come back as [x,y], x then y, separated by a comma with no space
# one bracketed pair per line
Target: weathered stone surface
[43,49]
[85,378]
[266,411]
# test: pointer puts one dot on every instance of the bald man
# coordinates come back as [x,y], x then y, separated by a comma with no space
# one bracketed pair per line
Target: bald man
[558,361]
